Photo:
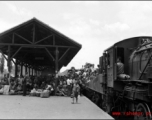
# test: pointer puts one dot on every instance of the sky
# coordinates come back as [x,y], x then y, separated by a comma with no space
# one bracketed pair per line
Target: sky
[96,25]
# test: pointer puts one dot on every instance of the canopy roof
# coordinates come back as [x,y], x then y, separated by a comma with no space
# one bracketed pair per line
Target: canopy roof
[37,44]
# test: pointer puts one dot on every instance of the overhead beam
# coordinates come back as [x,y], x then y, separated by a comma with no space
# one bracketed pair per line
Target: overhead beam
[43,39]
[35,45]
[16,29]
[23,38]
[7,58]
[19,28]
[16,52]
[13,61]
[64,54]
[3,54]
[50,54]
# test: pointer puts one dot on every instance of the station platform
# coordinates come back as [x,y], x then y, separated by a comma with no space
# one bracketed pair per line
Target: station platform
[54,107]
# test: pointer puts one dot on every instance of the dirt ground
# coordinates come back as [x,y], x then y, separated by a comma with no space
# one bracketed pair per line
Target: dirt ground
[54,107]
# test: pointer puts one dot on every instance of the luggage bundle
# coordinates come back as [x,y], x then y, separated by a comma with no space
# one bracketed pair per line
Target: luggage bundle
[45,94]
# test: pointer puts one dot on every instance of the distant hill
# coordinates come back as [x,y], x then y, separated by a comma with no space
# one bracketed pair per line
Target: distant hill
[63,73]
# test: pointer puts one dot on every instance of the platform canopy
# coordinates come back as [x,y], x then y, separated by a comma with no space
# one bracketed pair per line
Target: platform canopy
[38,45]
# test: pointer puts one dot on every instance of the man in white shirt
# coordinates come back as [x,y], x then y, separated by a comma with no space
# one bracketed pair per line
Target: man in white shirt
[69,82]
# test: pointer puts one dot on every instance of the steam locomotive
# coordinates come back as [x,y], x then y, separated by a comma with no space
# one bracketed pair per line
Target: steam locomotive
[123,96]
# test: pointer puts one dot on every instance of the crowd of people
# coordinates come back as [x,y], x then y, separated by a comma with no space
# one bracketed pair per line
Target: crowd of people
[81,76]
[27,85]
[43,86]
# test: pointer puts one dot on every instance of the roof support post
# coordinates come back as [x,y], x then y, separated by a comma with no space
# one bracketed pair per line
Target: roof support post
[56,68]
[25,68]
[29,70]
[36,72]
[9,59]
[32,71]
[4,55]
[16,68]
[21,73]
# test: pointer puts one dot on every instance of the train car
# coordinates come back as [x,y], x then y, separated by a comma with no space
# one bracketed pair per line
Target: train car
[131,96]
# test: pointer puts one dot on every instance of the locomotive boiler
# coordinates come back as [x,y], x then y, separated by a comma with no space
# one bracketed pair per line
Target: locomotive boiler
[125,95]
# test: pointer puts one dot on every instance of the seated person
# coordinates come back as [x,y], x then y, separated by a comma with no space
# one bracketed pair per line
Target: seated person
[1,89]
[20,79]
[34,90]
[28,84]
[49,87]
[46,91]
[43,85]
[52,88]
[120,70]
[5,80]
[19,87]
[60,89]
[40,89]
[12,90]
[38,92]
[2,81]
[64,89]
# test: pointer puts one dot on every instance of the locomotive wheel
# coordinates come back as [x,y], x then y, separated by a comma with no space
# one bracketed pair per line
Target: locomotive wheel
[104,105]
[100,103]
[144,109]
[96,99]
[93,98]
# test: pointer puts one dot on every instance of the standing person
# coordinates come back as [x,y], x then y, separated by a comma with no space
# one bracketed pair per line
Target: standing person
[24,84]
[6,84]
[76,91]
[6,77]
[69,81]
[72,84]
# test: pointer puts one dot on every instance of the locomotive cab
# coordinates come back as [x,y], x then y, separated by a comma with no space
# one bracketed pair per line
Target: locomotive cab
[122,49]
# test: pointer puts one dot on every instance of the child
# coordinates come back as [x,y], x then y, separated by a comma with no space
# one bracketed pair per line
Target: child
[75,91]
